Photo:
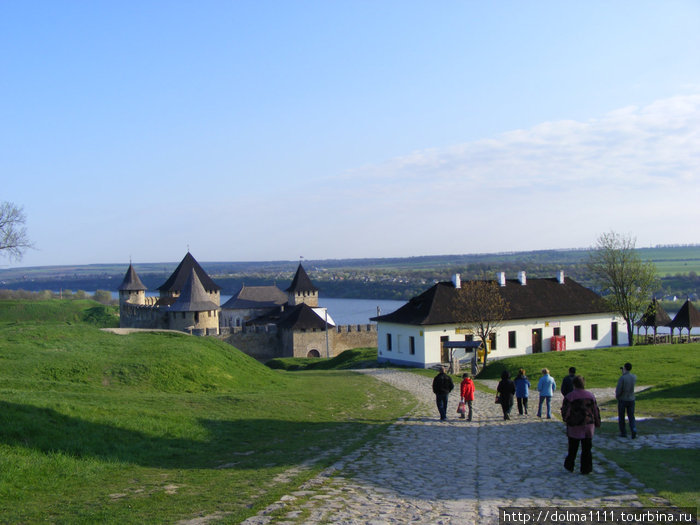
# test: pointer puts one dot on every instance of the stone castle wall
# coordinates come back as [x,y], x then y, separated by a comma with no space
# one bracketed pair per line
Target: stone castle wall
[265,343]
[261,343]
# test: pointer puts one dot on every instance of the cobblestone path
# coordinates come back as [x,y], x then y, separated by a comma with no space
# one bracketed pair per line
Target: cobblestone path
[424,471]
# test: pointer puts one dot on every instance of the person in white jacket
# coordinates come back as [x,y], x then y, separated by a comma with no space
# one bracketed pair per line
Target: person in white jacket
[546,387]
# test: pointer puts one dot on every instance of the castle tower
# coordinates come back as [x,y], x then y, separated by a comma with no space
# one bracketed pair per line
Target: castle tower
[302,290]
[194,310]
[131,292]
[174,285]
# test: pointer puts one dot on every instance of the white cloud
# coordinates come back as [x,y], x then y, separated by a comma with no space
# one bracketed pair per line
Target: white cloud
[557,184]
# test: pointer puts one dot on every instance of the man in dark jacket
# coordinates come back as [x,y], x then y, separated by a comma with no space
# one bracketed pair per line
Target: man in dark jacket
[442,386]
[581,415]
[567,384]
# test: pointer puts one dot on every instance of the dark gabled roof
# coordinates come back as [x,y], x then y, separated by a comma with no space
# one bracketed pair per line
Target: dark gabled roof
[539,298]
[301,317]
[655,315]
[549,297]
[687,317]
[301,282]
[256,297]
[193,297]
[177,280]
[131,281]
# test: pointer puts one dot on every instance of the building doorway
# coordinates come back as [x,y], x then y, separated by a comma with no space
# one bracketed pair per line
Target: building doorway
[537,341]
[613,334]
[313,353]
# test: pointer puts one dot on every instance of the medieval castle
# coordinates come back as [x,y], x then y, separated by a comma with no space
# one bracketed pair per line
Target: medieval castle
[262,321]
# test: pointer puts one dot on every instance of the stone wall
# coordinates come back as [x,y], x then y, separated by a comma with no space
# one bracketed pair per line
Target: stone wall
[347,337]
[260,343]
[141,316]
[264,343]
[206,322]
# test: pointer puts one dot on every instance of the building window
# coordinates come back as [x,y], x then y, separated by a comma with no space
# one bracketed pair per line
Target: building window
[557,331]
[412,345]
[388,342]
[511,340]
[594,332]
[577,333]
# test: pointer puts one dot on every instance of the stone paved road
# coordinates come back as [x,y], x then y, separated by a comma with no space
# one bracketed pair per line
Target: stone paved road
[424,471]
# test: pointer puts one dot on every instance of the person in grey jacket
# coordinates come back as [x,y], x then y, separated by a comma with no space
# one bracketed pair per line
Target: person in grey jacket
[624,393]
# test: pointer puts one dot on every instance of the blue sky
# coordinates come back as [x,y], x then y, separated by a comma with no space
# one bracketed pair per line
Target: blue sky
[260,130]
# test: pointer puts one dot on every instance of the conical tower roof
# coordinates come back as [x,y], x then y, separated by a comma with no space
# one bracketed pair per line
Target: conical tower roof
[655,315]
[176,281]
[687,317]
[193,297]
[301,282]
[131,282]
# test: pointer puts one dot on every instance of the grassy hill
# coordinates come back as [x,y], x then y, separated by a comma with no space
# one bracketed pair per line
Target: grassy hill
[159,427]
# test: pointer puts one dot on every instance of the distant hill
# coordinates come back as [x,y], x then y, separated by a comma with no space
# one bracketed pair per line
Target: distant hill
[378,278]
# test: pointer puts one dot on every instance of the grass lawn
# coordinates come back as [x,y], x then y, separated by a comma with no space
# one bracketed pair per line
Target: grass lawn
[160,427]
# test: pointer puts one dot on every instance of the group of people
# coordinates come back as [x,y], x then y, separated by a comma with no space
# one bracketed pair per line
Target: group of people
[579,408]
[519,389]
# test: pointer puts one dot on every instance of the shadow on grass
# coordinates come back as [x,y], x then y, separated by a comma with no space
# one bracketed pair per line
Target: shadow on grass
[242,443]
[686,391]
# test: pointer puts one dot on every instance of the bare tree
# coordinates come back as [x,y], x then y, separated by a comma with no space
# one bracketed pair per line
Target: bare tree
[480,306]
[626,282]
[13,234]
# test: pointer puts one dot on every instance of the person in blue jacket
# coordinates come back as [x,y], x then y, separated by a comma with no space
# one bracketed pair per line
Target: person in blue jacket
[546,387]
[522,390]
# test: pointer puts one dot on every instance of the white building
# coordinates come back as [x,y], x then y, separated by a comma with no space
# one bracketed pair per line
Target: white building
[540,311]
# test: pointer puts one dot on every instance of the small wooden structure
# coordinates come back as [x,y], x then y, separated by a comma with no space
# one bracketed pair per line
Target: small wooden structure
[654,317]
[687,317]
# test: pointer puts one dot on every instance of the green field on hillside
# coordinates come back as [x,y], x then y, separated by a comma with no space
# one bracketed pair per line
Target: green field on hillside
[159,427]
[162,427]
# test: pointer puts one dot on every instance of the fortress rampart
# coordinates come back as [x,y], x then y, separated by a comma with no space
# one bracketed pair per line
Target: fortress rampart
[265,343]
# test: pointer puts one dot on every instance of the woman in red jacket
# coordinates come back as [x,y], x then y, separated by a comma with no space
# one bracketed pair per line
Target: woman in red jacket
[466,388]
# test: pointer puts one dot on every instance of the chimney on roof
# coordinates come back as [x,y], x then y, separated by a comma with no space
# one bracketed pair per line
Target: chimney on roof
[457,280]
[501,278]
[522,277]
[561,277]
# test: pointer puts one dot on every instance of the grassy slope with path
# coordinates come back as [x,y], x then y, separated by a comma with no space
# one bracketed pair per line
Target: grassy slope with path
[98,427]
[163,427]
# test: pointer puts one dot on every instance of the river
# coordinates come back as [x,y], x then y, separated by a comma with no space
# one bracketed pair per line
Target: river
[342,311]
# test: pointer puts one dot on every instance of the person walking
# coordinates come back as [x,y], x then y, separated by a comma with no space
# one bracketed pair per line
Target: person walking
[506,391]
[567,384]
[442,386]
[581,414]
[546,387]
[466,391]
[522,390]
[624,393]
